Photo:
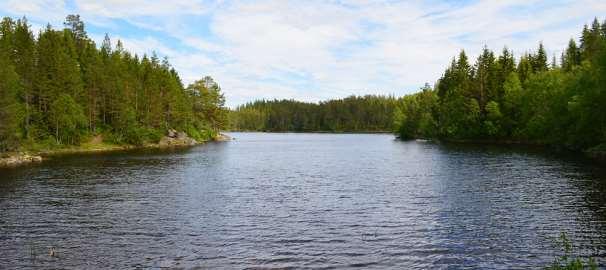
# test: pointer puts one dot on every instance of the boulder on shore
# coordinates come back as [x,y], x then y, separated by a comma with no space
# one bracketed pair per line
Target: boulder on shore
[172,133]
[179,139]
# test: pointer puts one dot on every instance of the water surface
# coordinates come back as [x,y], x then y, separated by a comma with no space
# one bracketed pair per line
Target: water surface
[305,201]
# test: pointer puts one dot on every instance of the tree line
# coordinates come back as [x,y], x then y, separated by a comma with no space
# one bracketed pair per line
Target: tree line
[530,99]
[59,87]
[368,113]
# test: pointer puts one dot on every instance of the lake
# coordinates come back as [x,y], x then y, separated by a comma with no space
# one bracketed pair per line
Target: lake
[303,201]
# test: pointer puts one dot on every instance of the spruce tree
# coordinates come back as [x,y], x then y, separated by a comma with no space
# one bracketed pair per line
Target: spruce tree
[571,57]
[539,61]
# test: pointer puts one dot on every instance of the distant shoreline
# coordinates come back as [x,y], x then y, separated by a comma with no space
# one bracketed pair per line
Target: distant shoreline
[318,132]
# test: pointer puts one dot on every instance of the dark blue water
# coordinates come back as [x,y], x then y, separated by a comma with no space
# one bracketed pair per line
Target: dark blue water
[303,201]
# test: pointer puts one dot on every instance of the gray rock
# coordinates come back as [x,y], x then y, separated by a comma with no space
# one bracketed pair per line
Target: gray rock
[172,133]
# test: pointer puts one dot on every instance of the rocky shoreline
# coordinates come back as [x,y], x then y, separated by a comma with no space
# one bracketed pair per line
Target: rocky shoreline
[172,140]
[18,159]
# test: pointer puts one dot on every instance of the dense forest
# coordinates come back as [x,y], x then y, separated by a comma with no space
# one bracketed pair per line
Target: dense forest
[529,100]
[59,88]
[352,114]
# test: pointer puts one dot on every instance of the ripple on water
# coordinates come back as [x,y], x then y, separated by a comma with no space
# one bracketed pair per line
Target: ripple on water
[318,201]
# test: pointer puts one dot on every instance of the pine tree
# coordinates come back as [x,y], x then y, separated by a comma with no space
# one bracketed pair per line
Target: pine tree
[463,74]
[506,64]
[525,68]
[571,57]
[66,87]
[446,84]
[539,61]
[92,71]
[485,77]
[591,40]
[45,70]
[10,107]
[7,27]
[76,26]
[24,59]
[208,102]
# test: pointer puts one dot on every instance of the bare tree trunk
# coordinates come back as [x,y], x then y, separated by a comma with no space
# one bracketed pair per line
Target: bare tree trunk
[27,115]
[57,130]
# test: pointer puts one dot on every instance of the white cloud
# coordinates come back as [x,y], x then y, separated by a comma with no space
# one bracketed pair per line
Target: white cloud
[134,8]
[48,10]
[314,50]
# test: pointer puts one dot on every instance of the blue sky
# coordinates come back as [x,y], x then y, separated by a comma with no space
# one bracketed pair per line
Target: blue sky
[316,50]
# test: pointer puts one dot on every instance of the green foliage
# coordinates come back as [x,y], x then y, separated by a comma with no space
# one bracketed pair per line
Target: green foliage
[571,57]
[568,261]
[128,130]
[60,87]
[541,111]
[199,134]
[539,61]
[11,112]
[494,117]
[494,100]
[510,106]
[208,103]
[352,114]
[67,119]
[248,118]
[413,116]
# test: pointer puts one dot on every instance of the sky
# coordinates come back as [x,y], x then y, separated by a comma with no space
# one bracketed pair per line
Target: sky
[316,50]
